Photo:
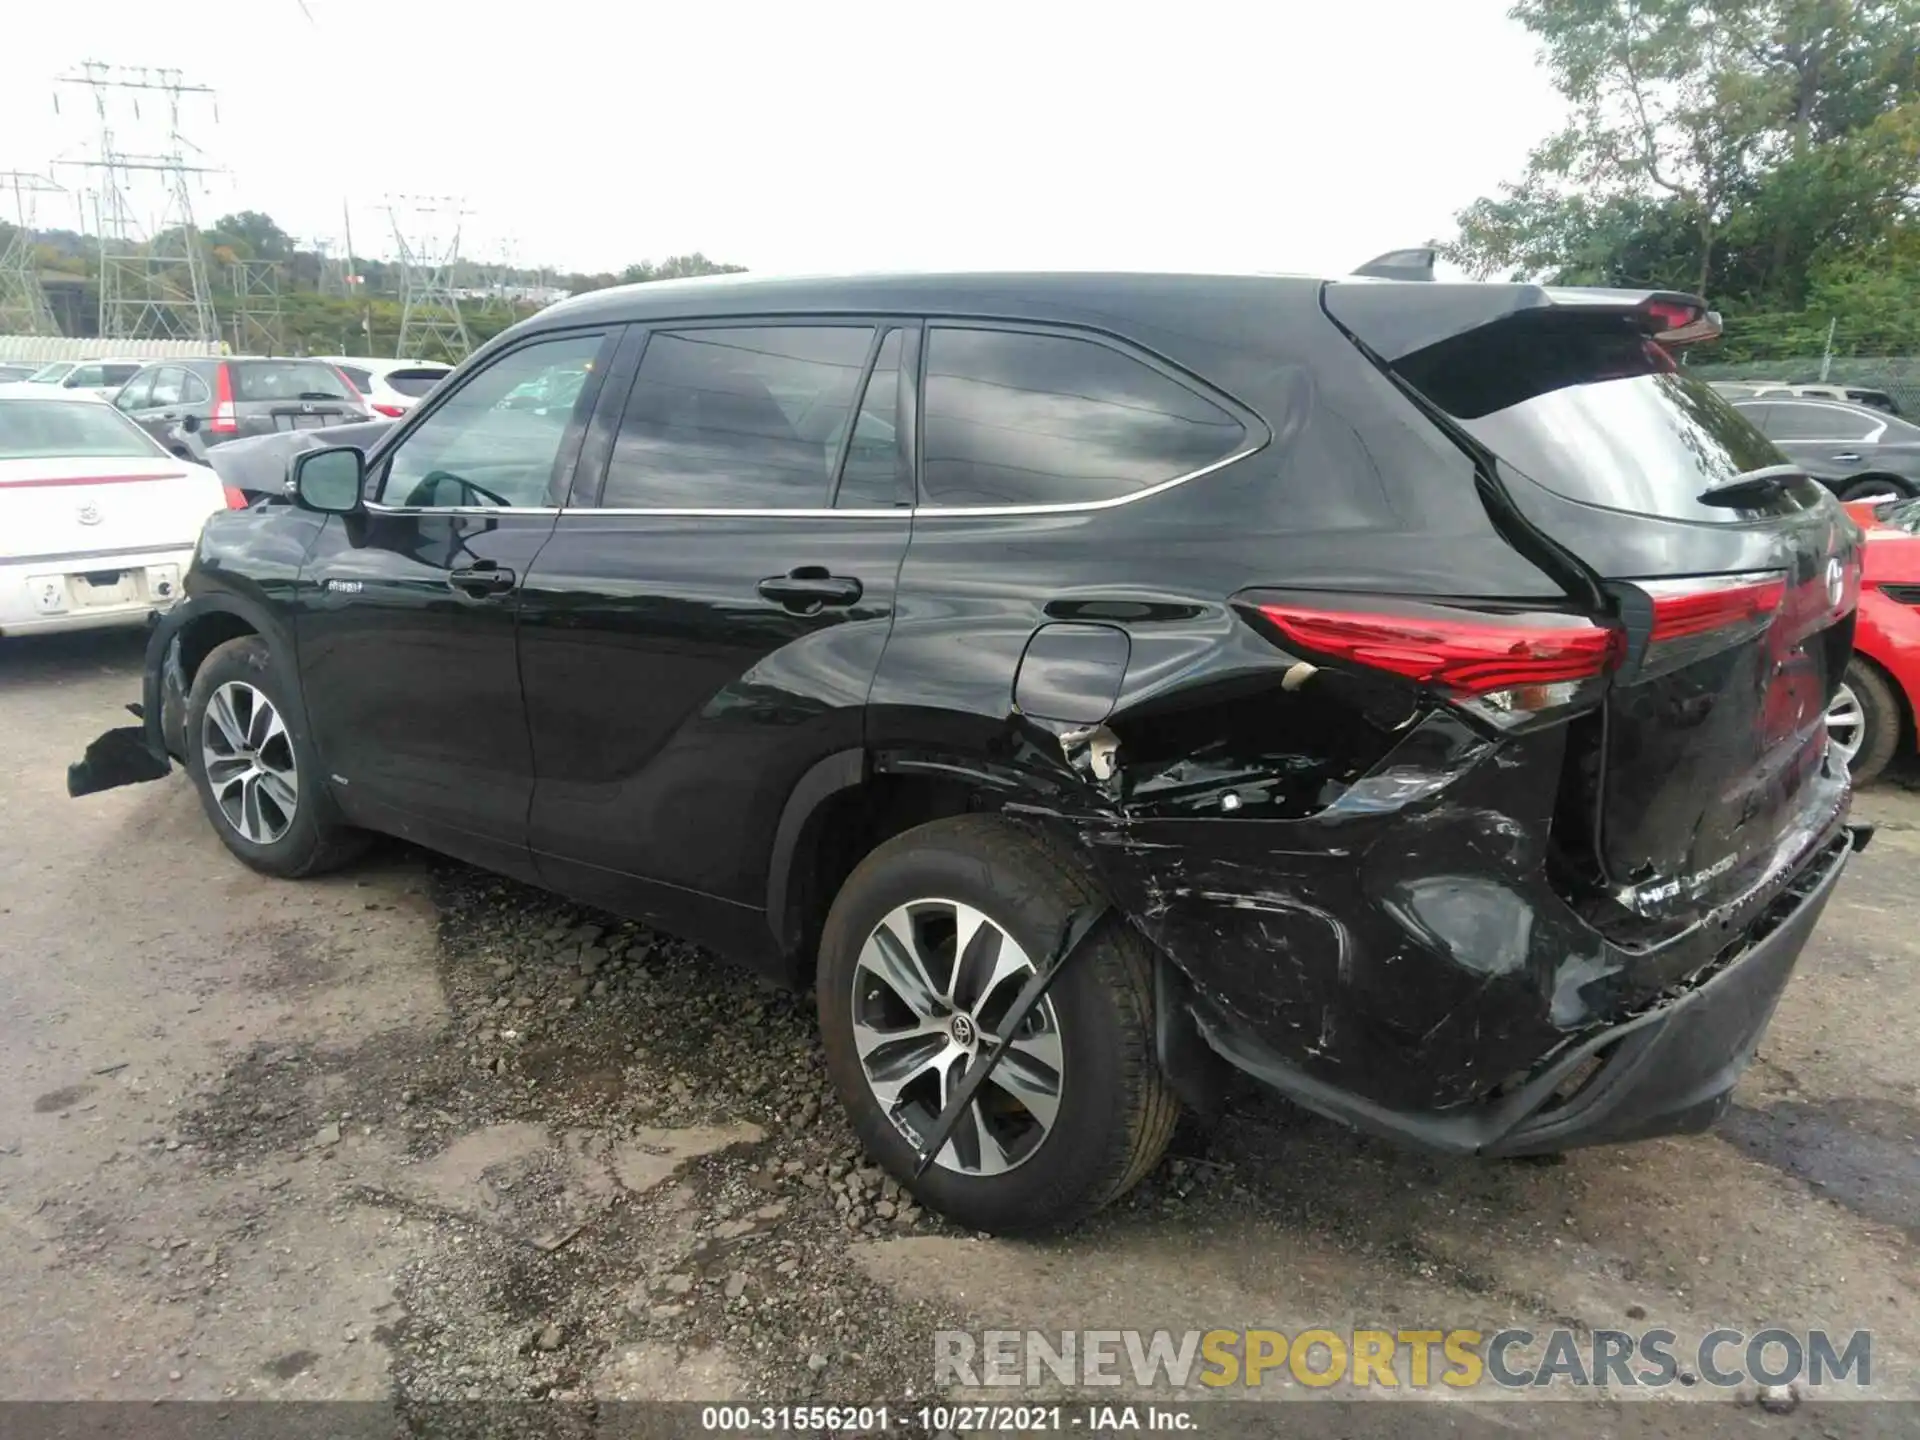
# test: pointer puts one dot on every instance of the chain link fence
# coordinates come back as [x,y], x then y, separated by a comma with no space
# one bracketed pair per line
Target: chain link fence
[1898,375]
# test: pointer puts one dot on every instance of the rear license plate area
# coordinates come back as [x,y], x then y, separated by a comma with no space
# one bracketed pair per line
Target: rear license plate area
[102,587]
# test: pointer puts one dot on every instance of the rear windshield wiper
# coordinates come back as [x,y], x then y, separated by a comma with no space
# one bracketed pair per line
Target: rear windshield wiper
[318,395]
[1751,485]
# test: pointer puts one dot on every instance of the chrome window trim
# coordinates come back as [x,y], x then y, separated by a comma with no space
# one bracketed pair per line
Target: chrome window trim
[936,512]
[375,508]
[1071,507]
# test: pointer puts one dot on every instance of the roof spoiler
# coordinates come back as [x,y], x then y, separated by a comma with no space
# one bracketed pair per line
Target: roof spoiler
[1415,264]
[1394,321]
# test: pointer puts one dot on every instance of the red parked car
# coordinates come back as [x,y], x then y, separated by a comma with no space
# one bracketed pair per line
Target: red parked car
[1872,715]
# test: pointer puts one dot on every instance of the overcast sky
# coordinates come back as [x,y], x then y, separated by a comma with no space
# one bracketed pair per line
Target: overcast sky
[820,135]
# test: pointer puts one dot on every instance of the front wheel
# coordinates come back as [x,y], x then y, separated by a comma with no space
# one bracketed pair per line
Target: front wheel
[924,951]
[258,778]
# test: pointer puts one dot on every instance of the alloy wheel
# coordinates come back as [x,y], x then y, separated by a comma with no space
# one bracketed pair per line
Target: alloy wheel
[1846,723]
[931,991]
[248,757]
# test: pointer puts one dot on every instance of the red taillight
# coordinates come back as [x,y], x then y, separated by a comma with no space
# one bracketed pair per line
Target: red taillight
[235,499]
[391,411]
[1686,608]
[1677,322]
[1468,654]
[222,421]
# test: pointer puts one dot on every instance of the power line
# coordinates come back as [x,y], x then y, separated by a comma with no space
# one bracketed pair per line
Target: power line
[24,309]
[430,320]
[153,274]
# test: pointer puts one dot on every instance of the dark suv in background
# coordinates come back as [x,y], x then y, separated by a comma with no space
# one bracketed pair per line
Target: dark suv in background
[1408,695]
[190,406]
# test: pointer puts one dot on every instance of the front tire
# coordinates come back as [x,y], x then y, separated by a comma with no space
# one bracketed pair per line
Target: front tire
[251,761]
[924,949]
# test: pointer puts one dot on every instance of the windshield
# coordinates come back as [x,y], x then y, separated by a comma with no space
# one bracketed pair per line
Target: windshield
[55,429]
[51,374]
[1591,409]
[288,380]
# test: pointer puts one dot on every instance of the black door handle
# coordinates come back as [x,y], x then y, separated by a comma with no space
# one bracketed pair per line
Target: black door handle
[808,588]
[481,579]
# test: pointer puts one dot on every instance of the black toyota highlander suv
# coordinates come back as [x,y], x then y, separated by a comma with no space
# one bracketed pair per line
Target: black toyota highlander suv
[1098,688]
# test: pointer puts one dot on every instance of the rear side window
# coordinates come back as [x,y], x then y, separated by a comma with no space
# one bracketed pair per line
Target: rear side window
[413,383]
[740,418]
[1593,410]
[1022,418]
[119,374]
[287,380]
[362,379]
[168,386]
[1820,422]
[877,470]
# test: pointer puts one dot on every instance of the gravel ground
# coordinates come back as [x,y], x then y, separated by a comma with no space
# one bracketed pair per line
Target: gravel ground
[416,1133]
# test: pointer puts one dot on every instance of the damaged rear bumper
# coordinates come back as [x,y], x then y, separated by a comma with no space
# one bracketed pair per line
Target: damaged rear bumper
[1668,1070]
[131,754]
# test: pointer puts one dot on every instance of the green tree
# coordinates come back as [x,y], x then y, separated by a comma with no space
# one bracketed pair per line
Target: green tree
[252,236]
[1720,145]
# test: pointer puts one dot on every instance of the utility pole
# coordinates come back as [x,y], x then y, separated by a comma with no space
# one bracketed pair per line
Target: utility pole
[153,278]
[355,278]
[23,300]
[430,318]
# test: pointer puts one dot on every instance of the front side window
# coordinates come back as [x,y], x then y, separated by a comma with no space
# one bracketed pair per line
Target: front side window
[1019,418]
[496,442]
[737,418]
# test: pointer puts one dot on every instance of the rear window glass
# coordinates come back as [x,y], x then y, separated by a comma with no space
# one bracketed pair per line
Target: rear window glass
[414,383]
[49,429]
[288,380]
[1593,410]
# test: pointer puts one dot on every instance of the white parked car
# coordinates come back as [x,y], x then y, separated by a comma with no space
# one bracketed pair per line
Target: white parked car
[390,387]
[97,522]
[98,377]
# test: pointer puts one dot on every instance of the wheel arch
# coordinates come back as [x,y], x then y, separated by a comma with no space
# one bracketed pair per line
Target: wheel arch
[201,625]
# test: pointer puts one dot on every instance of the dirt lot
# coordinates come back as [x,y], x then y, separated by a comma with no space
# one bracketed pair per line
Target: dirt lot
[415,1133]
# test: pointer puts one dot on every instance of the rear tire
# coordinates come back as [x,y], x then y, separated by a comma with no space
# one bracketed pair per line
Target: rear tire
[1100,1121]
[1875,487]
[1879,721]
[254,766]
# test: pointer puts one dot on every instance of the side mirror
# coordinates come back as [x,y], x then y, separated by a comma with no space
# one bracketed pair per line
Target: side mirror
[189,423]
[329,480]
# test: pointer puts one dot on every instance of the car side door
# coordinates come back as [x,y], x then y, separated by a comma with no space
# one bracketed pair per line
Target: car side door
[407,613]
[159,412]
[704,626]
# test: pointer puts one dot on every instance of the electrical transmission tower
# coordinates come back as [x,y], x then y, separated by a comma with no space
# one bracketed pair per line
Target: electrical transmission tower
[23,302]
[153,274]
[257,320]
[430,319]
